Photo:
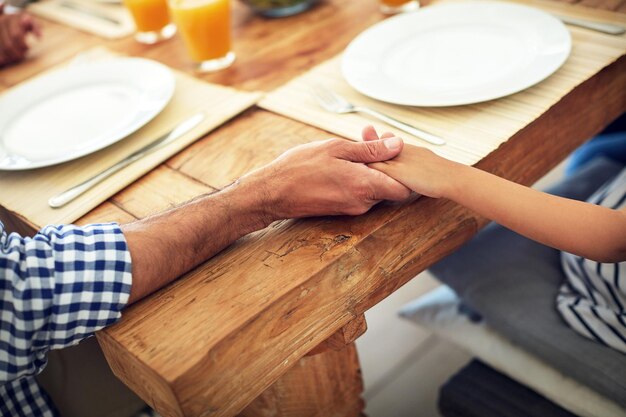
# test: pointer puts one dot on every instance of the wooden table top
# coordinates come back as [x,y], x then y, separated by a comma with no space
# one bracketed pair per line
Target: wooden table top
[217,338]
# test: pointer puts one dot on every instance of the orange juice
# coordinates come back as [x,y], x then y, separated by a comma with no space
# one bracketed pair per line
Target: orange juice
[204,26]
[149,15]
[398,6]
[394,3]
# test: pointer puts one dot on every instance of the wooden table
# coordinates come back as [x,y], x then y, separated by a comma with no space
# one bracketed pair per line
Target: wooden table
[266,328]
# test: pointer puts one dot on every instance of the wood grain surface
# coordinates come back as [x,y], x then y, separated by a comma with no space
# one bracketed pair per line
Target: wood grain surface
[342,337]
[216,339]
[328,384]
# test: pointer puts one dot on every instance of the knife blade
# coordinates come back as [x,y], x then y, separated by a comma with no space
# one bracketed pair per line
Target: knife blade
[70,194]
[89,12]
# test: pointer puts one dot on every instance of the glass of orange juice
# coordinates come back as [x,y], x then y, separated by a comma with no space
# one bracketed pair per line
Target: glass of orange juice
[205,28]
[398,6]
[151,19]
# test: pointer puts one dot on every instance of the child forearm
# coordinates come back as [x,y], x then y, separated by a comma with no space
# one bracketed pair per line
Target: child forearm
[591,231]
[585,229]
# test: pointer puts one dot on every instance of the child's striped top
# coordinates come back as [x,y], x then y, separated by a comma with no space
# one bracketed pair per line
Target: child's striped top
[593,298]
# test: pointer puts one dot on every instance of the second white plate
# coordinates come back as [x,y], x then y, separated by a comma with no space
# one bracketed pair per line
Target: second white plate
[79,110]
[454,54]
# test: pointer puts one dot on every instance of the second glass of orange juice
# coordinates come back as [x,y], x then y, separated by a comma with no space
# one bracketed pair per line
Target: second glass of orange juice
[152,20]
[205,28]
[398,6]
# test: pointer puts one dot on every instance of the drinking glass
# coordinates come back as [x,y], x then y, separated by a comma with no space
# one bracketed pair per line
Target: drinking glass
[151,19]
[398,6]
[205,28]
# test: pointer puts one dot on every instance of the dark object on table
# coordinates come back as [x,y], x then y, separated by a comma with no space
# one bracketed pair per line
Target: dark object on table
[512,282]
[279,8]
[479,391]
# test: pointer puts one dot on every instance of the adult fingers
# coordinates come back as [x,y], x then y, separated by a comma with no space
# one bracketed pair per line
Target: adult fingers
[18,36]
[30,25]
[387,135]
[16,42]
[6,43]
[386,188]
[367,152]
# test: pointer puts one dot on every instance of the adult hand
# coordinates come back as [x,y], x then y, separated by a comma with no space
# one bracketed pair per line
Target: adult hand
[13,31]
[319,178]
[328,178]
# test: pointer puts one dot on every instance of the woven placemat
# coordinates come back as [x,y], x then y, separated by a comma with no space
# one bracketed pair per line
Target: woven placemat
[110,21]
[26,193]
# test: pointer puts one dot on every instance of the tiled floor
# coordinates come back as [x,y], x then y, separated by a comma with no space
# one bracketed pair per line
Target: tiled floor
[404,365]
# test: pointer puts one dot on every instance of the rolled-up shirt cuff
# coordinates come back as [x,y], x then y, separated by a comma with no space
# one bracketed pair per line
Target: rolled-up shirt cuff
[93,278]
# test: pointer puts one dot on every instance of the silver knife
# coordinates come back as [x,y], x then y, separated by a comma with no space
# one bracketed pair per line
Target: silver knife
[65,197]
[89,12]
[597,26]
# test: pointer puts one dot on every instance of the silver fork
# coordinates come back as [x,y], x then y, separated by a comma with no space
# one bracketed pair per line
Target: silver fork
[335,103]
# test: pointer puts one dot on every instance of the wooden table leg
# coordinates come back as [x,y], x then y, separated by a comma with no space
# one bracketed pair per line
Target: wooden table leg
[328,384]
[325,383]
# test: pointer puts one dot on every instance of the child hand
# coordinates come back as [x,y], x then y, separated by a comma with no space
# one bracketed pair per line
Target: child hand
[417,168]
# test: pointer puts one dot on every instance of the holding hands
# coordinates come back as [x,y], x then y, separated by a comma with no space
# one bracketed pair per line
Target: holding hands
[320,178]
[417,168]
[14,28]
[328,177]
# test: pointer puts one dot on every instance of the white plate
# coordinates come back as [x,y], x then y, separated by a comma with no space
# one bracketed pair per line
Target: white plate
[453,54]
[79,110]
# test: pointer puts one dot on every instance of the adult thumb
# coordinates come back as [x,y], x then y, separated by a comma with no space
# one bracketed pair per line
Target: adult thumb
[371,151]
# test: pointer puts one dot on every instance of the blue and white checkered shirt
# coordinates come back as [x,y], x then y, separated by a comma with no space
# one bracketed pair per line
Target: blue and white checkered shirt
[56,289]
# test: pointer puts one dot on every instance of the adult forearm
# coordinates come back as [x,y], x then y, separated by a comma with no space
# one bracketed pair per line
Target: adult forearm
[588,230]
[320,178]
[165,246]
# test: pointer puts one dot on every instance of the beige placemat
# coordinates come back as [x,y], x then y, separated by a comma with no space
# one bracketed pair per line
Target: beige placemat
[472,131]
[27,192]
[115,21]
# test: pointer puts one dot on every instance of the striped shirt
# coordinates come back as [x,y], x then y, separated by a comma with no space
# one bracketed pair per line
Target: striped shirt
[593,299]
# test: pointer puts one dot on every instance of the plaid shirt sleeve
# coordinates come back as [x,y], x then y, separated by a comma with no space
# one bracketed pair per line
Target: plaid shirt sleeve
[57,288]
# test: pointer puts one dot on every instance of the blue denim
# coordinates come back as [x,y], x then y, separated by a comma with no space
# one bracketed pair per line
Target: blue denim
[611,143]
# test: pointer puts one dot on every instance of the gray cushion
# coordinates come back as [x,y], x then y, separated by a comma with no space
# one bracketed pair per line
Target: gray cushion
[512,282]
[480,391]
